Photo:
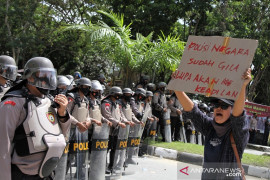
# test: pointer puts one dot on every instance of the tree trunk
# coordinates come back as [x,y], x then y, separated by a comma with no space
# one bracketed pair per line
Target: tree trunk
[251,94]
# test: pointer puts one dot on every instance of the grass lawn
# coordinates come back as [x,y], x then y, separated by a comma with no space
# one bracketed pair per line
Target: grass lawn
[250,159]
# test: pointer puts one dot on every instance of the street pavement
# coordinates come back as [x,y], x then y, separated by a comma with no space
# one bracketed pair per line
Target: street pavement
[156,168]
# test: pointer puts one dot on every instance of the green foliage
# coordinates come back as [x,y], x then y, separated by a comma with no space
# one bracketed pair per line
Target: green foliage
[137,37]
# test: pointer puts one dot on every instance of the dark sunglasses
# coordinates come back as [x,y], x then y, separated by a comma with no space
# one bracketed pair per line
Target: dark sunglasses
[222,105]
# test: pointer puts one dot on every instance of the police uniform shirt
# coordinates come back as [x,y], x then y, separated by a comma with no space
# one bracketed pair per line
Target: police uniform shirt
[174,106]
[134,119]
[12,115]
[159,101]
[106,111]
[71,105]
[94,102]
[3,90]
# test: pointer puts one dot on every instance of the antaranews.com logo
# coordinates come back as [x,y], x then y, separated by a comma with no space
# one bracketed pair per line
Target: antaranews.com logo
[193,172]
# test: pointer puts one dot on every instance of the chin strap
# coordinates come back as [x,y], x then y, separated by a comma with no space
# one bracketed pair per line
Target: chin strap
[239,164]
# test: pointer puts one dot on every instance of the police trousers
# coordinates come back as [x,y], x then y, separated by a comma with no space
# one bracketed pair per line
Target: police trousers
[17,174]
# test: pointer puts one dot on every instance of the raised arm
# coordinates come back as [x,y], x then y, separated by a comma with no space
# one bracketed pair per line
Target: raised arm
[184,100]
[240,101]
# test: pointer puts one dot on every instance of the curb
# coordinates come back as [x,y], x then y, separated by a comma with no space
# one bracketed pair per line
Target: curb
[260,172]
[258,147]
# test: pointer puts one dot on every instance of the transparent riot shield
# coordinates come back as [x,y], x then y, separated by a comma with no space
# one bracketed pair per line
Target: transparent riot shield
[199,138]
[182,131]
[133,144]
[61,169]
[99,152]
[192,135]
[152,130]
[167,125]
[120,152]
[78,153]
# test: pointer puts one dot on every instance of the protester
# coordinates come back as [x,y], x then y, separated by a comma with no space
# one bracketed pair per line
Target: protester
[228,118]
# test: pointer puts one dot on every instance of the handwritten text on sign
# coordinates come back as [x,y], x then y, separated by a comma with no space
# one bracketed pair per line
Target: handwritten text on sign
[213,66]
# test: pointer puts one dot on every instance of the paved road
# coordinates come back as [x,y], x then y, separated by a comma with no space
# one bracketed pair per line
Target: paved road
[155,168]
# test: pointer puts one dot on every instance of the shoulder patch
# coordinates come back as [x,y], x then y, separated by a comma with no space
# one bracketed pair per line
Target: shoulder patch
[10,102]
[70,99]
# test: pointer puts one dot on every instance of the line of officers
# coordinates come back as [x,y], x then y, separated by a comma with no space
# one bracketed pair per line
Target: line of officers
[50,125]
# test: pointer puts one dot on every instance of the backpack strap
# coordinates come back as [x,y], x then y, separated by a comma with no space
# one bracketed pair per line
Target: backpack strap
[238,160]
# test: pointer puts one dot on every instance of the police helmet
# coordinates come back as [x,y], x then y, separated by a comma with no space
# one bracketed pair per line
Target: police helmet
[127,91]
[96,86]
[140,91]
[203,106]
[62,81]
[145,78]
[70,77]
[84,81]
[77,75]
[8,68]
[151,87]
[40,72]
[149,93]
[115,90]
[161,85]
[101,77]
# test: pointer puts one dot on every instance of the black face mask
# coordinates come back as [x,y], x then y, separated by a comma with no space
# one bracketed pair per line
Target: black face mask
[44,91]
[116,97]
[85,91]
[127,98]
[162,89]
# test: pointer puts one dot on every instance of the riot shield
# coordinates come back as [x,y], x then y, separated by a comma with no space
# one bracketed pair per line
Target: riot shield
[99,152]
[182,131]
[167,125]
[199,138]
[61,169]
[79,152]
[152,130]
[192,135]
[120,152]
[133,144]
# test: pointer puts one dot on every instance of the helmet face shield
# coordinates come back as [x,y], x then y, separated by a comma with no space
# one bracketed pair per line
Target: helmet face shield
[8,71]
[44,78]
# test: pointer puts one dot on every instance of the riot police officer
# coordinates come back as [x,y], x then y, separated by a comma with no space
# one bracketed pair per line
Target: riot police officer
[111,110]
[176,113]
[8,71]
[62,84]
[98,135]
[137,102]
[135,126]
[151,87]
[151,125]
[160,106]
[143,82]
[32,132]
[78,107]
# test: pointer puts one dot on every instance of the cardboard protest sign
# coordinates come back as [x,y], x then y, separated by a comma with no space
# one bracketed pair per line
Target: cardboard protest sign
[213,66]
